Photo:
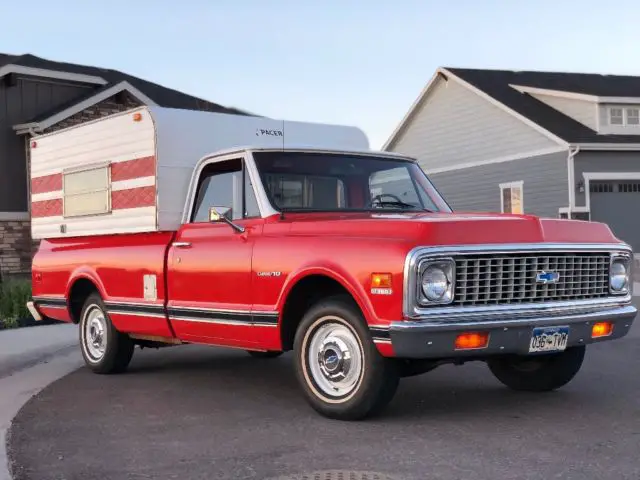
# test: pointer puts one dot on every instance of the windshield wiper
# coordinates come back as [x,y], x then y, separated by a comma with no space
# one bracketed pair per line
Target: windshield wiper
[396,204]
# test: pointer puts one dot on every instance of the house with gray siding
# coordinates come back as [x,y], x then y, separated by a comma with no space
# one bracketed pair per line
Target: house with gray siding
[39,96]
[550,144]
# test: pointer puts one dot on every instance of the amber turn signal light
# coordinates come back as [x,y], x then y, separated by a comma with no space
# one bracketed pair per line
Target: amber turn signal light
[380,280]
[137,117]
[601,329]
[472,340]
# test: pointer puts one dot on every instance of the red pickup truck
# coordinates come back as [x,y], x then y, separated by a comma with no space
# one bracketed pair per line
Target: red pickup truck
[161,227]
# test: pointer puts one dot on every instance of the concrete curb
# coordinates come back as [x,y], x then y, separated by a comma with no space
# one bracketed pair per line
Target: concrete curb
[31,359]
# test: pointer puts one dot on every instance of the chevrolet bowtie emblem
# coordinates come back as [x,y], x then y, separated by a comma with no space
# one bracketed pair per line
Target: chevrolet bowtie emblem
[547,277]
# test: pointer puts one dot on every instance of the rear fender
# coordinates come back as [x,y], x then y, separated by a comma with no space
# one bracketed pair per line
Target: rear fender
[85,273]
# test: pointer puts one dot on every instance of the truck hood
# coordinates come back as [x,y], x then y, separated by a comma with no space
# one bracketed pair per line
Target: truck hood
[451,228]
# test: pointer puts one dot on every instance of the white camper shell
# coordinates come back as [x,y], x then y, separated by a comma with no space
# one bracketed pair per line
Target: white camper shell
[130,172]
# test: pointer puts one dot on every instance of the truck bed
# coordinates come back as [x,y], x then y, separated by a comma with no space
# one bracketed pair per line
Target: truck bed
[117,264]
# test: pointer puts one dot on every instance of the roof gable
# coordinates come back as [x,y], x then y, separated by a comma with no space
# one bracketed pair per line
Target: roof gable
[46,120]
[148,92]
[501,86]
[448,75]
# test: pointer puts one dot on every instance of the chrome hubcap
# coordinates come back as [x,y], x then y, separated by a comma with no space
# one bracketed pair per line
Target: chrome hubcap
[95,333]
[335,359]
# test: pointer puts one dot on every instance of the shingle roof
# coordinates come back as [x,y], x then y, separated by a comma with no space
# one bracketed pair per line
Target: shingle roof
[61,108]
[163,96]
[496,83]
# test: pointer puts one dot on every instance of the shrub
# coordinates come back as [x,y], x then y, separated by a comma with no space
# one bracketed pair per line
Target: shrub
[14,295]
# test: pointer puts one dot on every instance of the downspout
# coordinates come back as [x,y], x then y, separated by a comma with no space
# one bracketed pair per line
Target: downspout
[27,148]
[571,178]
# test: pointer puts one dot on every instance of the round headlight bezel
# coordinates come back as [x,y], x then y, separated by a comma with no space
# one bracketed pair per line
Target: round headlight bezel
[440,290]
[619,274]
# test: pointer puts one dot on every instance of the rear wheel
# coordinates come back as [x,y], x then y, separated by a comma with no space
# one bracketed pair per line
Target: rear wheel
[338,366]
[104,349]
[539,373]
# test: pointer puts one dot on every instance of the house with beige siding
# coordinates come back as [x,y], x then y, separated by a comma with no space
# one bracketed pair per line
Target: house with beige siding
[39,96]
[551,144]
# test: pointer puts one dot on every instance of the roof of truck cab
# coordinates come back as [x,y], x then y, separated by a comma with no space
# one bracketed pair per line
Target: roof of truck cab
[336,151]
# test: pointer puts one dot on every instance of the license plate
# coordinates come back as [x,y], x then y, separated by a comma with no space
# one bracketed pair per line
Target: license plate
[549,339]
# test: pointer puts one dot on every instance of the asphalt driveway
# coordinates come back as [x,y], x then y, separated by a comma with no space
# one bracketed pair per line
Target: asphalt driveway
[202,413]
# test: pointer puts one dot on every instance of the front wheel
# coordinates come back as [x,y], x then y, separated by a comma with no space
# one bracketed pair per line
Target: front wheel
[340,369]
[104,349]
[540,373]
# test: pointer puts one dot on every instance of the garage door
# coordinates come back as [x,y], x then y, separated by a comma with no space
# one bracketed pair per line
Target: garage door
[617,203]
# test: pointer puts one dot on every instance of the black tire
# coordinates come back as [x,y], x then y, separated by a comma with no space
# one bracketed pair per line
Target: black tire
[374,384]
[540,373]
[267,354]
[118,347]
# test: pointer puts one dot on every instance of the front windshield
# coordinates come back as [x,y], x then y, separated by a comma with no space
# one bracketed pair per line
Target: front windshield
[328,182]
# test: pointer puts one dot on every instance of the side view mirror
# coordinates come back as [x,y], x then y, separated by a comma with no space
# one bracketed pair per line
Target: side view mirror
[216,214]
[223,214]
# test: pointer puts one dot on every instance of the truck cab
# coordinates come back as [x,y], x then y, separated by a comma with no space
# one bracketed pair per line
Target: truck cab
[307,241]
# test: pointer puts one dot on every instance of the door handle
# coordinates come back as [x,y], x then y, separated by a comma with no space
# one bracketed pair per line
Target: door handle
[182,244]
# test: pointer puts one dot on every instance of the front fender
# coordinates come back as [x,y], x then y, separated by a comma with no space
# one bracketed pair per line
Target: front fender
[335,272]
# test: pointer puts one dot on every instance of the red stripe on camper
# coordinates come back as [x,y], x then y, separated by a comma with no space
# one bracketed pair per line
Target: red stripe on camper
[47,183]
[133,198]
[137,168]
[46,208]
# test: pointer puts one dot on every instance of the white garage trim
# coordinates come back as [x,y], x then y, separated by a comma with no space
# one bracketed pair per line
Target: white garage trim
[588,176]
[573,210]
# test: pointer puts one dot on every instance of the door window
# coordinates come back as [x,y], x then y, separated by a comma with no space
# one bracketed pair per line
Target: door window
[225,185]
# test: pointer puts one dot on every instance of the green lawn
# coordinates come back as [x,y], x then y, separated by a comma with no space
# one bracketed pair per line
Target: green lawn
[14,294]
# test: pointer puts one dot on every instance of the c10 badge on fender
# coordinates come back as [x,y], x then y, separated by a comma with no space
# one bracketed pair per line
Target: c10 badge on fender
[549,339]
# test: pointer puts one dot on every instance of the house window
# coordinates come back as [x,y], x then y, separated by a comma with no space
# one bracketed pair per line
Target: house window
[624,116]
[633,116]
[616,116]
[87,191]
[511,197]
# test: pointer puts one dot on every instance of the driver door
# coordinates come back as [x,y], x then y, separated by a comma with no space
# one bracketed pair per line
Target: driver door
[209,264]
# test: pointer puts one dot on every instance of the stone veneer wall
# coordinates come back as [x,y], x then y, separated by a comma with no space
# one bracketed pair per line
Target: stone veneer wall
[16,247]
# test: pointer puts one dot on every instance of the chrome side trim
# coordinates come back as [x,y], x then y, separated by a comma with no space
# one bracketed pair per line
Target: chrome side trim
[223,310]
[136,314]
[410,307]
[56,302]
[220,321]
[49,298]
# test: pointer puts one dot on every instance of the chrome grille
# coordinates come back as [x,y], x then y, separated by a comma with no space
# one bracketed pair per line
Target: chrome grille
[511,278]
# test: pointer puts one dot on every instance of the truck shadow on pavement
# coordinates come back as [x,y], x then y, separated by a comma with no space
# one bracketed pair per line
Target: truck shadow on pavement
[197,412]
[447,391]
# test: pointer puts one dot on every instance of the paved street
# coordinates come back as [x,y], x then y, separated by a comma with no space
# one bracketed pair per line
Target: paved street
[203,413]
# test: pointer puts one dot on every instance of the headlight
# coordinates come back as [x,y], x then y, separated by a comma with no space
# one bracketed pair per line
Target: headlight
[437,282]
[619,275]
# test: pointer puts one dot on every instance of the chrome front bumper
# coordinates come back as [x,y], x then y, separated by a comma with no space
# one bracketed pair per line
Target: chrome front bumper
[509,329]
